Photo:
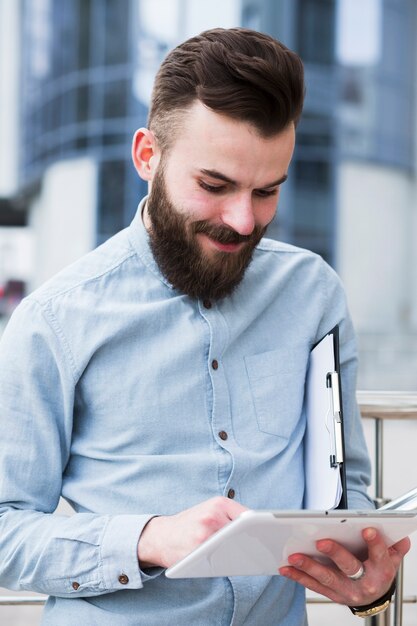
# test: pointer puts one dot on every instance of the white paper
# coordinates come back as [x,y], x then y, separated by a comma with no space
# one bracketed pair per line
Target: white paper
[323,489]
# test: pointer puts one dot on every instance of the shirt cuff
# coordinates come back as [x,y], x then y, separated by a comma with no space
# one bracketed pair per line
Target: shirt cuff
[119,553]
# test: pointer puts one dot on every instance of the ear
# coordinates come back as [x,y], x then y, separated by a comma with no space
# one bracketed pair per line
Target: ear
[145,153]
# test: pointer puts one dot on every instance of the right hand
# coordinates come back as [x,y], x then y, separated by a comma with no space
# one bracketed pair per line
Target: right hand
[167,539]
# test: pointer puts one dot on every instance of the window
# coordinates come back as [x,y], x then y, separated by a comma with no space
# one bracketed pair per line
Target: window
[115,99]
[316,27]
[111,188]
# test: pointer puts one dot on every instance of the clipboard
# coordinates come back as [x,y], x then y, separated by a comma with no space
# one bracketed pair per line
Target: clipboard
[324,447]
[257,543]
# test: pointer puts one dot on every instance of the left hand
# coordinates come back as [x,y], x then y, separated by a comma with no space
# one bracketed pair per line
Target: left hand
[333,580]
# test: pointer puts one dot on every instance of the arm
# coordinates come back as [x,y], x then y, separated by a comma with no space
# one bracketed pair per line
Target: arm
[83,554]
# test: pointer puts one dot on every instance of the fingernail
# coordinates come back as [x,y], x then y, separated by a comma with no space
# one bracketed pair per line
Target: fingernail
[324,546]
[296,560]
[370,533]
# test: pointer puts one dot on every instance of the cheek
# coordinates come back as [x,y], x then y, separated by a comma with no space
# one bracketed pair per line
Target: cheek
[265,211]
[199,206]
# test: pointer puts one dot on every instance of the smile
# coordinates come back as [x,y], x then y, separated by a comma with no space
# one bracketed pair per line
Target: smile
[221,247]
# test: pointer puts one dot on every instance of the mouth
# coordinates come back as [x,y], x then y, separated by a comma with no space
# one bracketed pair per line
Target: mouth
[219,246]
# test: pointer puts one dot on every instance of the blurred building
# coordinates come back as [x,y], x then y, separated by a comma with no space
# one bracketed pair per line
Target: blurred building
[86,72]
[377,185]
[15,236]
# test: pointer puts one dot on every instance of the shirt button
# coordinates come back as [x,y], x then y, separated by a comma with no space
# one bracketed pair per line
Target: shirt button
[75,586]
[215,364]
[123,579]
[231,494]
[223,435]
[207,304]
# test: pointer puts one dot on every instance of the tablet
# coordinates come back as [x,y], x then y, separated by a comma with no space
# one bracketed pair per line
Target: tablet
[257,543]
[406,502]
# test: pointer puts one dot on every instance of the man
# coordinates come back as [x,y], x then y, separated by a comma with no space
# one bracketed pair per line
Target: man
[158,383]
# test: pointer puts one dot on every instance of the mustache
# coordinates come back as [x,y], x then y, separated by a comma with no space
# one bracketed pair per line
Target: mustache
[222,234]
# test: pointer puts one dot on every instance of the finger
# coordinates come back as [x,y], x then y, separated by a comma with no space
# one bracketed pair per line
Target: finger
[332,583]
[398,551]
[379,551]
[310,583]
[377,548]
[325,575]
[234,508]
[217,510]
[348,563]
[228,509]
[385,560]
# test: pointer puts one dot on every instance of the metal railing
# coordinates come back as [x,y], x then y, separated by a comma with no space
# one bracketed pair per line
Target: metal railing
[380,406]
[25,600]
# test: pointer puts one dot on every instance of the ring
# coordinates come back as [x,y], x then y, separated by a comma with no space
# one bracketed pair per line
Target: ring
[357,575]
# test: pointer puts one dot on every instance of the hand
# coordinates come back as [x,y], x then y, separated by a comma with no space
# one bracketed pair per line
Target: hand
[167,539]
[333,580]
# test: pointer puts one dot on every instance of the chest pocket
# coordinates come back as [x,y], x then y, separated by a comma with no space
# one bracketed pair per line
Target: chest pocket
[277,380]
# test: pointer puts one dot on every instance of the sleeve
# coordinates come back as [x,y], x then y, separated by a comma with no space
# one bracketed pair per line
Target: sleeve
[358,467]
[70,556]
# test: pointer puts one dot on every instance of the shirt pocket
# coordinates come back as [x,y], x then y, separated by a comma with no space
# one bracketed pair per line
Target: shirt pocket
[277,381]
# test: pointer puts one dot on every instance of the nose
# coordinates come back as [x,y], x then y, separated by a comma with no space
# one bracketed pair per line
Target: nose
[238,214]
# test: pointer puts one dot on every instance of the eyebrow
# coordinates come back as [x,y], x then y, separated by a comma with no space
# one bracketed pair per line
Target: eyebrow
[226,179]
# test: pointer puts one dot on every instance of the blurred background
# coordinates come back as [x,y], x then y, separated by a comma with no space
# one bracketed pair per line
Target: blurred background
[76,77]
[75,82]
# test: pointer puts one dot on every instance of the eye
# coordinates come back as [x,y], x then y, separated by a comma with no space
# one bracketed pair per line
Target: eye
[211,188]
[266,193]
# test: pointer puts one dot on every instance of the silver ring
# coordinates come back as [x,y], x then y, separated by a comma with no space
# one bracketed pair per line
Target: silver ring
[357,575]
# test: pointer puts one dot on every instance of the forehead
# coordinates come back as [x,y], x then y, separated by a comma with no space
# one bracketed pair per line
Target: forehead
[209,140]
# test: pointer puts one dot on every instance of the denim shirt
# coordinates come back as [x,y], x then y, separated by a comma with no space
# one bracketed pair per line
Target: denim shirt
[114,389]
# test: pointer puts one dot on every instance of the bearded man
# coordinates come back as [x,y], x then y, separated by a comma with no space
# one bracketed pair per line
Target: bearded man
[158,383]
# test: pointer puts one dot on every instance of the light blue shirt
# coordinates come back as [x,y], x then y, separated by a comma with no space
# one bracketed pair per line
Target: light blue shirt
[110,397]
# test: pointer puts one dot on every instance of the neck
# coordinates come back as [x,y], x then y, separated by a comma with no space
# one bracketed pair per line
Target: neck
[145,217]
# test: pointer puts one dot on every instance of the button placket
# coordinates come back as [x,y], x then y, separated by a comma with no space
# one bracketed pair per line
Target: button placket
[220,415]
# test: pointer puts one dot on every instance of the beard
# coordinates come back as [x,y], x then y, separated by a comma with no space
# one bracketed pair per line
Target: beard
[179,255]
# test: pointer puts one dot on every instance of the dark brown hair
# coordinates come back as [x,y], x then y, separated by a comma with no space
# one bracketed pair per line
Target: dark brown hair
[244,74]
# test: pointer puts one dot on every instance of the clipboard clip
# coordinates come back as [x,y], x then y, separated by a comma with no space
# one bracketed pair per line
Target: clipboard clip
[332,383]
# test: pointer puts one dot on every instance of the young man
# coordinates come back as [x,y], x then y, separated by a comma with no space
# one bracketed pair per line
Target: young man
[158,383]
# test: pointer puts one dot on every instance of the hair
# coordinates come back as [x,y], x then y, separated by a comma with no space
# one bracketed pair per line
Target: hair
[241,73]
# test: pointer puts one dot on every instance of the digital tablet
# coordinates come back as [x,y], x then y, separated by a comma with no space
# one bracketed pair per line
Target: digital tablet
[406,502]
[257,543]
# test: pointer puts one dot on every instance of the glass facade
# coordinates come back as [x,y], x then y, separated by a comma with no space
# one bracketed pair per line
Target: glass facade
[377,93]
[313,208]
[77,91]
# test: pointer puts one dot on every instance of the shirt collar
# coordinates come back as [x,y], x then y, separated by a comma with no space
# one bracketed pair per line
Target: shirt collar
[139,238]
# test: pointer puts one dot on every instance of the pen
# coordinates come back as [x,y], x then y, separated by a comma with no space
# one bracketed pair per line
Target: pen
[333,384]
